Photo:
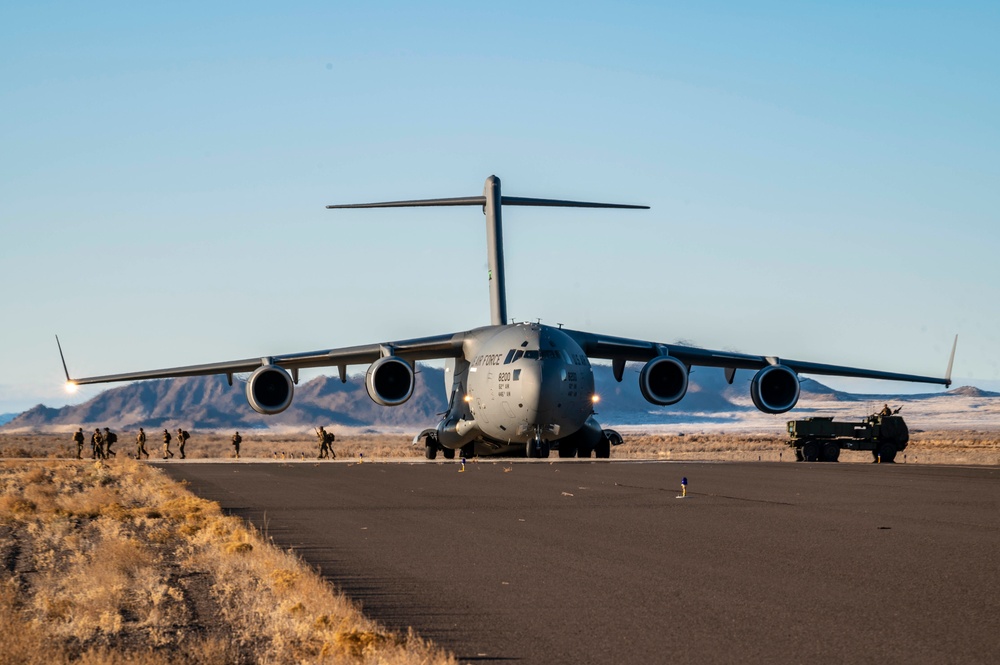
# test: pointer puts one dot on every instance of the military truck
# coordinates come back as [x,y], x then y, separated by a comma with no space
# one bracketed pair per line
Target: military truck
[821,440]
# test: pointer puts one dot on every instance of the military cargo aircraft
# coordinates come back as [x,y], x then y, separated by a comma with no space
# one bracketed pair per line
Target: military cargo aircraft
[515,388]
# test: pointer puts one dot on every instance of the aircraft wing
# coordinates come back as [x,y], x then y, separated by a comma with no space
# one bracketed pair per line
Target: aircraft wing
[423,348]
[620,350]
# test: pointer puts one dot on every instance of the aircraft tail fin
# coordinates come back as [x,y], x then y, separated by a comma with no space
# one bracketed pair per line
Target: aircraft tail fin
[492,201]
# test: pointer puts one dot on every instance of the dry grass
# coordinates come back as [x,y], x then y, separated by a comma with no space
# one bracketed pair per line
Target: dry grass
[215,445]
[937,447]
[931,447]
[108,563]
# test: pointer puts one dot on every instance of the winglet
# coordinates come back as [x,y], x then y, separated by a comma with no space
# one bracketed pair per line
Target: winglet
[951,361]
[63,358]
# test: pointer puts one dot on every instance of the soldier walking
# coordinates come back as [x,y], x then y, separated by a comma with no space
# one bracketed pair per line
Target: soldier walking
[96,444]
[140,444]
[78,440]
[329,445]
[182,437]
[166,445]
[237,440]
[324,442]
[109,438]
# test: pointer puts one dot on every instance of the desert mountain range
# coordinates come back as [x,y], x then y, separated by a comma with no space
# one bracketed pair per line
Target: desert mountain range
[210,403]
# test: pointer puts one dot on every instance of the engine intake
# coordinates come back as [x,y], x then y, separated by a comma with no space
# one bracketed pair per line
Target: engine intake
[269,390]
[663,380]
[775,389]
[389,381]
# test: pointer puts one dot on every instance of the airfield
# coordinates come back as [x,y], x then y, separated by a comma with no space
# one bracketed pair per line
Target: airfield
[548,561]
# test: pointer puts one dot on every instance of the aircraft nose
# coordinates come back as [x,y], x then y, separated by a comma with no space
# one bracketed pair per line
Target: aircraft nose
[531,390]
[553,398]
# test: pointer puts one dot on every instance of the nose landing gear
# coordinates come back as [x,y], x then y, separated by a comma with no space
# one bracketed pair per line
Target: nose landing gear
[538,447]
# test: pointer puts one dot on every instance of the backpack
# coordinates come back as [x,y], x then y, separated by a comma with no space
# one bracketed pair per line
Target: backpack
[112,438]
[184,435]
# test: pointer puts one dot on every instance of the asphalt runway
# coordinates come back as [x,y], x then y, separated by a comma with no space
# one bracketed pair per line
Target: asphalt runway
[598,562]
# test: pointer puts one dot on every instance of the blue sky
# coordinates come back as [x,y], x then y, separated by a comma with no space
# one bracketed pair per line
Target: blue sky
[823,178]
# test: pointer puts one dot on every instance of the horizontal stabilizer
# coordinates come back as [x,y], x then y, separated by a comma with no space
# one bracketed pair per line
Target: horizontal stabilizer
[460,201]
[555,203]
[481,201]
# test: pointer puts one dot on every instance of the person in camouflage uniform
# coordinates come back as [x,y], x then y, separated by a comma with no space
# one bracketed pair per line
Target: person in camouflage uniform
[97,444]
[78,440]
[237,440]
[166,445]
[324,442]
[182,438]
[109,438]
[140,444]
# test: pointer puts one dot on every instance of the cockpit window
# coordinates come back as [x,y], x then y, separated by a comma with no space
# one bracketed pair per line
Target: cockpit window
[510,356]
[544,354]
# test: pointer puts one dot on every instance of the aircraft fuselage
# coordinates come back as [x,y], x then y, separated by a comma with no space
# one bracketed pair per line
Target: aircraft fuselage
[516,384]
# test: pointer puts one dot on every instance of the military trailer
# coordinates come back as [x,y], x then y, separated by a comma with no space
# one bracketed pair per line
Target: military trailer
[821,440]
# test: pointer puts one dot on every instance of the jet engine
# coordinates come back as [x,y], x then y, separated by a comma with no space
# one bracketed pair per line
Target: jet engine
[389,381]
[663,380]
[269,390]
[775,389]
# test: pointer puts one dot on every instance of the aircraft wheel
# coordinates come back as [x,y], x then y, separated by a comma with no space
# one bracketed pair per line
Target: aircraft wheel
[469,449]
[811,451]
[603,449]
[431,451]
[449,453]
[566,450]
[887,452]
[543,449]
[584,451]
[831,452]
[531,449]
[798,455]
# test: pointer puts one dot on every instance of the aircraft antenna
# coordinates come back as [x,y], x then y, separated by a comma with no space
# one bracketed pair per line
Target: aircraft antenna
[492,201]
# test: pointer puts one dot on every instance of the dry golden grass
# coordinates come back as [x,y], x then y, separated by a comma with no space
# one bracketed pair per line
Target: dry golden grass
[214,445]
[109,563]
[938,447]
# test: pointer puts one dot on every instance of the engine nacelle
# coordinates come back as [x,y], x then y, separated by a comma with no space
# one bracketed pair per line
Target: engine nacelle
[663,380]
[269,390]
[389,381]
[775,389]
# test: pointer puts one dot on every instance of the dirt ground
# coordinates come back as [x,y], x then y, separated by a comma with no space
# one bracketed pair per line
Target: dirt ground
[979,447]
